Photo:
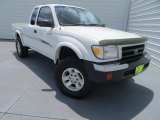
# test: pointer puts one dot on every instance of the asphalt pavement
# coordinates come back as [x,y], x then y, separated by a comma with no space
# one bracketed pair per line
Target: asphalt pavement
[28,92]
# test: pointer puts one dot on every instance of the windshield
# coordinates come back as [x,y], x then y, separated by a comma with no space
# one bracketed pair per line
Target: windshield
[72,16]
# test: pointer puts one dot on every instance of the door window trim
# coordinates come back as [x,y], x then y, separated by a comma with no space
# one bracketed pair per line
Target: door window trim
[36,16]
[39,14]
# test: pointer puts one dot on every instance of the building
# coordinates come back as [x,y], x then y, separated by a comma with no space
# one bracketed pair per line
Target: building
[137,16]
[18,11]
[144,19]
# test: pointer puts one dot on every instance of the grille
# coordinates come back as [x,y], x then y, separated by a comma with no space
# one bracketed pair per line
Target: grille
[132,53]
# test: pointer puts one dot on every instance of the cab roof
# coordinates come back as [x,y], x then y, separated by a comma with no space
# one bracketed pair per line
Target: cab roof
[53,5]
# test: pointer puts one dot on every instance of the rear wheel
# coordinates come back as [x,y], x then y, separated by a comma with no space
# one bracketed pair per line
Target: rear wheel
[22,51]
[71,78]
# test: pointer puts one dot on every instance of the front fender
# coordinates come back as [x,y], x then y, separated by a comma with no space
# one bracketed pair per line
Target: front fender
[18,32]
[69,45]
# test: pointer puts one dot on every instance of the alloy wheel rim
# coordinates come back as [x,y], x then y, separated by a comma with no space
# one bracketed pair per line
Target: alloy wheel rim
[73,79]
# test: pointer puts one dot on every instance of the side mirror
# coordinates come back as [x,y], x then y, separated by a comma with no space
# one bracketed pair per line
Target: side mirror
[45,23]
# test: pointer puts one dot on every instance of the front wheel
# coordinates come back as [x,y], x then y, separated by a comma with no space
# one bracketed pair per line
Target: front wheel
[71,78]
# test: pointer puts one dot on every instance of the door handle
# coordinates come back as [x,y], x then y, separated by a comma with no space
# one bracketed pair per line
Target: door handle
[35,31]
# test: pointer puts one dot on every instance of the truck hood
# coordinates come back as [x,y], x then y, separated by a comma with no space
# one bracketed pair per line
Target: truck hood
[104,35]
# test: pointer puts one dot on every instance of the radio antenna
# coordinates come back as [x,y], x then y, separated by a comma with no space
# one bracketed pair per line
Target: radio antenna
[60,14]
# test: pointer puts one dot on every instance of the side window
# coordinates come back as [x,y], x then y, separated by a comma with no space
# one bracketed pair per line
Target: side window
[45,17]
[33,18]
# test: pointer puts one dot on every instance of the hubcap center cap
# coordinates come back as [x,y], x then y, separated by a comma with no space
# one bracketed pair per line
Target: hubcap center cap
[73,79]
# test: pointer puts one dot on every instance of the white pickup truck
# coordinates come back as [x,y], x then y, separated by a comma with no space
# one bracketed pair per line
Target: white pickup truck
[82,47]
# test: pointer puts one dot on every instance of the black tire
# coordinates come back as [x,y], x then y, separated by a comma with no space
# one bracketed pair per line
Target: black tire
[77,65]
[22,51]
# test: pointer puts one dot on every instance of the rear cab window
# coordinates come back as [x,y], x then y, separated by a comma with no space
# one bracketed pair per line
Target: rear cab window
[33,17]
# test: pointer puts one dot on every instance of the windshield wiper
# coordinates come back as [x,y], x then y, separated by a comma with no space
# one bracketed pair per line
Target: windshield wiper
[67,24]
[103,25]
[77,24]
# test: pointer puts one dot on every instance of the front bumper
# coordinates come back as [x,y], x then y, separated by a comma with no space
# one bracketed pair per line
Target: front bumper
[98,72]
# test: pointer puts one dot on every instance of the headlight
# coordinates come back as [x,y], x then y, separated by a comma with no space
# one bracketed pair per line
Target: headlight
[110,52]
[105,52]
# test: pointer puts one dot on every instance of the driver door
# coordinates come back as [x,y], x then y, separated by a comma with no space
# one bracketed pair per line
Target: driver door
[44,31]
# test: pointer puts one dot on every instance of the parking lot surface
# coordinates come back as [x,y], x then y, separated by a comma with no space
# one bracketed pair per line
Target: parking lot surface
[28,92]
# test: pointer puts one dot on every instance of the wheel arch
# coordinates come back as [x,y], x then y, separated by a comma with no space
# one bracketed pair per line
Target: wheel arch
[70,46]
[17,33]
